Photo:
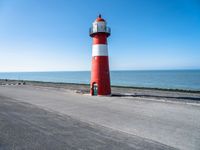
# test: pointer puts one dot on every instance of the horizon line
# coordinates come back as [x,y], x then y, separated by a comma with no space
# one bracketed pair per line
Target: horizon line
[110,70]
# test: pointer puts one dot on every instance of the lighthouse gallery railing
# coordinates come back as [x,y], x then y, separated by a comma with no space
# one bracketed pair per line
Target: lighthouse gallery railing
[105,30]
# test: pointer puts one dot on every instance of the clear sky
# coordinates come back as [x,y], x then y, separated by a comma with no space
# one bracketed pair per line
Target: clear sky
[52,35]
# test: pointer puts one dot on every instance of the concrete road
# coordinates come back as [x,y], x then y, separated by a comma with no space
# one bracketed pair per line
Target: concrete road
[133,123]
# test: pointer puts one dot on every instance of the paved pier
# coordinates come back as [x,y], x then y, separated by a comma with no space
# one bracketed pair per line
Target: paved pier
[48,118]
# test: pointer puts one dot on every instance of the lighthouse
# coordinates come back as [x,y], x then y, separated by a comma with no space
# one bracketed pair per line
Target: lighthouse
[100,74]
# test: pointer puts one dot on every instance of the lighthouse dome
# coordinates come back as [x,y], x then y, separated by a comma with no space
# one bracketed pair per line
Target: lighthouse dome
[99,19]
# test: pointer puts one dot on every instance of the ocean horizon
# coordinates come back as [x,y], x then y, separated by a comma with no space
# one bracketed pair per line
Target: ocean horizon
[165,79]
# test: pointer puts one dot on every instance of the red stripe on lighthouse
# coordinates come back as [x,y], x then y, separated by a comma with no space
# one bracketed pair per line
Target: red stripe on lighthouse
[100,38]
[101,75]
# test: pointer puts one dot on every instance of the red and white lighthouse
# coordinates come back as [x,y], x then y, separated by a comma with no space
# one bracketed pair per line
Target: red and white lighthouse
[100,74]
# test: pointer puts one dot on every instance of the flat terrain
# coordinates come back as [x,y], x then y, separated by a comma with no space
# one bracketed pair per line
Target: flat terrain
[35,117]
[24,126]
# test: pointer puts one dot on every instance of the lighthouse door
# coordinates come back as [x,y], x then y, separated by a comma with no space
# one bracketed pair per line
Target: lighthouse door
[95,89]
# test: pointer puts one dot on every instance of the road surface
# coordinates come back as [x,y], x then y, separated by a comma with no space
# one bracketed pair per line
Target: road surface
[48,118]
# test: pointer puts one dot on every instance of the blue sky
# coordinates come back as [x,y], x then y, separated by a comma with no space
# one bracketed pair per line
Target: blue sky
[52,35]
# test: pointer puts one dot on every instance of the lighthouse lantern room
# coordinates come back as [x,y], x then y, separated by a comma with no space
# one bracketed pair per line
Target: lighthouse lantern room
[100,74]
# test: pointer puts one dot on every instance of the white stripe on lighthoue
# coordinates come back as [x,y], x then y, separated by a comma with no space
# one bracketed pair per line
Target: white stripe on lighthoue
[99,50]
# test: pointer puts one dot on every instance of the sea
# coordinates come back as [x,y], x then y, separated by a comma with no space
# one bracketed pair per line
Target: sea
[165,79]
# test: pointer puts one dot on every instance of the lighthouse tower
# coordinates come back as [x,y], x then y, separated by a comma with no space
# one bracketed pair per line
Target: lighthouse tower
[100,75]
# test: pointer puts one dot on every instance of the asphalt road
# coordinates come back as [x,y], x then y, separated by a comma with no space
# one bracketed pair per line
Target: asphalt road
[48,118]
[25,126]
